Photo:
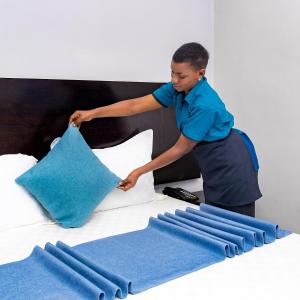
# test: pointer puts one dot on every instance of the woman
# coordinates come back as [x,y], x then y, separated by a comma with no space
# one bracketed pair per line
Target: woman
[225,156]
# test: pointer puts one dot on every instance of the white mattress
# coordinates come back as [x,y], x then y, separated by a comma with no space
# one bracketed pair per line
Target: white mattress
[270,272]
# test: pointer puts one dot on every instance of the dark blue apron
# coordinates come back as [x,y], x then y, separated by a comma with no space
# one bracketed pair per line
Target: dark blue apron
[229,170]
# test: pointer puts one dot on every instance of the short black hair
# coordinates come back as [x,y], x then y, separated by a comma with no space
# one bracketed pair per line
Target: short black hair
[192,53]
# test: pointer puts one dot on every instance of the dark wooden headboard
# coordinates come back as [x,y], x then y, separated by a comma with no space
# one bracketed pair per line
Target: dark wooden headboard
[35,111]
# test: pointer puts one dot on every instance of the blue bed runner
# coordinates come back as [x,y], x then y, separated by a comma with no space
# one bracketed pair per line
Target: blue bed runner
[170,246]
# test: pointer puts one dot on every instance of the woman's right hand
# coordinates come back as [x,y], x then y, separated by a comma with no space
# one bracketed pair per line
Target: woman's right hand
[80,116]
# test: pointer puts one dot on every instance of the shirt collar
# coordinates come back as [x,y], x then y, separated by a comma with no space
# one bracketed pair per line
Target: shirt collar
[195,90]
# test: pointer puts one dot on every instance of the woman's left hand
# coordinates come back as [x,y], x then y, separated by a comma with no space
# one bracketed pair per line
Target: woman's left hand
[130,181]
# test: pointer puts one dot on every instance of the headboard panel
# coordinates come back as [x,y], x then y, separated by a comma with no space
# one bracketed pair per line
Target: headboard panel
[35,111]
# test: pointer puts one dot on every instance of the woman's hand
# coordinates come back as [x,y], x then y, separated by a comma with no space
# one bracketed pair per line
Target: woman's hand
[80,116]
[130,181]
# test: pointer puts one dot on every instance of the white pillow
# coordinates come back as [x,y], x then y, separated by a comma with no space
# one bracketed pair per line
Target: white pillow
[17,207]
[122,159]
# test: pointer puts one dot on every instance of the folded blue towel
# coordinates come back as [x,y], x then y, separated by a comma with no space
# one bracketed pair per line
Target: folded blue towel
[170,246]
[272,231]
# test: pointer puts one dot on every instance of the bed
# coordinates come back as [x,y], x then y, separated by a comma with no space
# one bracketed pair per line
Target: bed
[36,111]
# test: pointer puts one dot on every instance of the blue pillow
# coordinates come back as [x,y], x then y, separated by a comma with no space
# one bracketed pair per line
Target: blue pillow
[70,181]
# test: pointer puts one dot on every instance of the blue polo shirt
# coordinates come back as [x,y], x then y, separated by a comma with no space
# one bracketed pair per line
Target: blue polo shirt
[200,115]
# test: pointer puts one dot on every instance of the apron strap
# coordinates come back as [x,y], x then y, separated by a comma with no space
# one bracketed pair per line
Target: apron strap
[250,147]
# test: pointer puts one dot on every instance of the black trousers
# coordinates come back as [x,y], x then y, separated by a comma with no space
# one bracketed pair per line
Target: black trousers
[246,209]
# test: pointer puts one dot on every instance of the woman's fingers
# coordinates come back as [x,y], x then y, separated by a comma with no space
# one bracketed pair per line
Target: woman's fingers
[75,118]
[129,182]
[125,185]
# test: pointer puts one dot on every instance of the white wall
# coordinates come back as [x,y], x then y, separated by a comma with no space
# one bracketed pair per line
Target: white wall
[126,40]
[257,71]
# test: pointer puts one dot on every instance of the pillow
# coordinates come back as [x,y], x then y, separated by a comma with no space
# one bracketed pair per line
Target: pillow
[70,181]
[122,159]
[17,207]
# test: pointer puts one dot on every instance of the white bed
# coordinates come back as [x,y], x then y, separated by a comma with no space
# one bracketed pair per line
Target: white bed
[268,272]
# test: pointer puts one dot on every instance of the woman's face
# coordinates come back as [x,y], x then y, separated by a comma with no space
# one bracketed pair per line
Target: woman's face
[184,77]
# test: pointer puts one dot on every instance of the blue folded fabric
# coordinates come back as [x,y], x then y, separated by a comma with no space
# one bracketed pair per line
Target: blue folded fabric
[170,246]
[247,235]
[272,231]
[231,248]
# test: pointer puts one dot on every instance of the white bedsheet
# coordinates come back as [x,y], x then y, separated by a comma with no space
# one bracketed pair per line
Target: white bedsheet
[268,272]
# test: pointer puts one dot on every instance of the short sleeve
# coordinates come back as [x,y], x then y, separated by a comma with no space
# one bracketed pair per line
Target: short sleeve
[165,95]
[198,124]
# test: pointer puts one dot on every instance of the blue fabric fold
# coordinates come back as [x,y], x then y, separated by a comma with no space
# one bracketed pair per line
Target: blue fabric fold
[146,251]
[121,285]
[256,237]
[230,248]
[109,289]
[41,275]
[170,246]
[258,234]
[249,238]
[271,230]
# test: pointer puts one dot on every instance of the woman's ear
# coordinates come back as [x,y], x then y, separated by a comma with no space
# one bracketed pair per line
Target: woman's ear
[201,72]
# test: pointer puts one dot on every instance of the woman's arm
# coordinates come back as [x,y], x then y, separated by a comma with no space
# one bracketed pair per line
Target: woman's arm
[119,109]
[182,147]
